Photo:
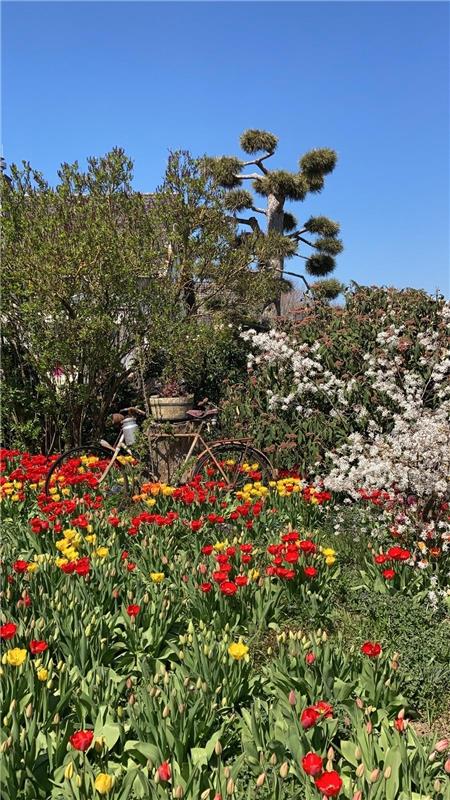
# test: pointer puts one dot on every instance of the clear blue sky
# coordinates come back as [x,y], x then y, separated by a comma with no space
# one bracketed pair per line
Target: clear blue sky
[368,79]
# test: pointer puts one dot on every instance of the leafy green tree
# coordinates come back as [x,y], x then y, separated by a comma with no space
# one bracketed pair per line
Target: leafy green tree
[105,288]
[280,236]
[81,287]
[197,253]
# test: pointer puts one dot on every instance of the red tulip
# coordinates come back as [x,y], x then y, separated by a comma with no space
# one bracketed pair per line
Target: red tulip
[307,546]
[228,588]
[323,708]
[310,658]
[164,771]
[133,611]
[38,647]
[309,717]
[329,783]
[20,566]
[81,740]
[312,764]
[310,572]
[8,631]
[371,649]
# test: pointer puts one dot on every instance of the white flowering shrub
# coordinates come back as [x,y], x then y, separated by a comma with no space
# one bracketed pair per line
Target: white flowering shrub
[395,412]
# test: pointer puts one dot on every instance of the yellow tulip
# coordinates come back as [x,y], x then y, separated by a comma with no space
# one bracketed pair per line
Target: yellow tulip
[32,567]
[329,561]
[104,783]
[42,674]
[238,650]
[16,656]
[157,577]
[102,552]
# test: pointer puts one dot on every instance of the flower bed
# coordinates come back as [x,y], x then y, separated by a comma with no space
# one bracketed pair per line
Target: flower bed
[155,651]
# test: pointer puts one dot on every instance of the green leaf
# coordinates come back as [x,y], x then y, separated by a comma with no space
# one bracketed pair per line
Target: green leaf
[394,761]
[348,752]
[145,749]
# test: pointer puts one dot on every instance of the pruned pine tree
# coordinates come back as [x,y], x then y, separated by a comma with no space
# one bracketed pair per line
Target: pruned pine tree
[275,233]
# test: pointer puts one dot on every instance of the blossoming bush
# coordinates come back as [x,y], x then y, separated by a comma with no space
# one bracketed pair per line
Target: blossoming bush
[152,652]
[394,416]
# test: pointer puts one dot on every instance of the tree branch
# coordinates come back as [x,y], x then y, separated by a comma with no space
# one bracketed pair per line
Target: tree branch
[250,177]
[297,235]
[305,241]
[259,210]
[252,221]
[258,162]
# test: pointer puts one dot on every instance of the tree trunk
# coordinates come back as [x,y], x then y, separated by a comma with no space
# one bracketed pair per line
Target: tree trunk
[275,222]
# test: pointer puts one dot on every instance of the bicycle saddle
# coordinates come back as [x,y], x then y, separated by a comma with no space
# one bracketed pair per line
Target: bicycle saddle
[197,414]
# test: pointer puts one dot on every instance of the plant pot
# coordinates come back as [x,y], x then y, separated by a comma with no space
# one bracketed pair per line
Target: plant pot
[170,409]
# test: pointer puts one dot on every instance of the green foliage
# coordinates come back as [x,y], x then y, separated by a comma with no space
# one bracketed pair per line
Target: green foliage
[318,162]
[289,222]
[315,183]
[224,169]
[94,272]
[328,289]
[78,260]
[322,225]
[320,264]
[238,199]
[275,245]
[254,141]
[282,184]
[329,245]
[419,634]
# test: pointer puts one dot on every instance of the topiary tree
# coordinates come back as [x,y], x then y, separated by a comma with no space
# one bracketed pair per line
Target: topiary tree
[281,237]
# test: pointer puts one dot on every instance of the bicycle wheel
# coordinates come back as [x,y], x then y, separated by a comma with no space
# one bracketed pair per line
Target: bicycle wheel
[239,462]
[80,470]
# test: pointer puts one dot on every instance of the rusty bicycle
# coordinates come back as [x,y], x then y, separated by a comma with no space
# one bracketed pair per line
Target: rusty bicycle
[231,461]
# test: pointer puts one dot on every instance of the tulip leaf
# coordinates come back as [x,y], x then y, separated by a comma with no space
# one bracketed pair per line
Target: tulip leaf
[348,751]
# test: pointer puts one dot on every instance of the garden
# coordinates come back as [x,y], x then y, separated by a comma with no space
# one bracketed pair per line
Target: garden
[277,636]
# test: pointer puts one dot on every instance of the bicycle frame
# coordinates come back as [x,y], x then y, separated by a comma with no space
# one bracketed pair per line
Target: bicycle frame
[119,445]
[195,435]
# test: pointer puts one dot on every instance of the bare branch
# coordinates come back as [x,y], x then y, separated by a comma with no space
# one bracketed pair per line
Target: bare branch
[305,241]
[296,275]
[297,236]
[250,177]
[259,210]
[258,162]
[252,221]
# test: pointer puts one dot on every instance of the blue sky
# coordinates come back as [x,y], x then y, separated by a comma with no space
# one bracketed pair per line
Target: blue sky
[370,80]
